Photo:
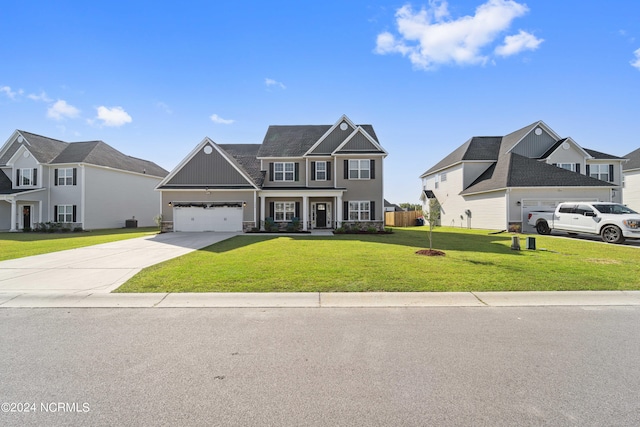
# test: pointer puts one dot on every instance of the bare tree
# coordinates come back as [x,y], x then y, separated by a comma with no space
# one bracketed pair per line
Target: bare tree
[432,216]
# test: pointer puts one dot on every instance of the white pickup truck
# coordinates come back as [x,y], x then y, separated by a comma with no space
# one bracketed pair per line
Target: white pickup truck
[612,221]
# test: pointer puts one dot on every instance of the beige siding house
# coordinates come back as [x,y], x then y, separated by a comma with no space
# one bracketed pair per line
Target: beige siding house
[323,176]
[493,182]
[86,185]
[631,189]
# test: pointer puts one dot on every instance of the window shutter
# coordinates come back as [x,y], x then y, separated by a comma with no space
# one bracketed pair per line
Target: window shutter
[372,168]
[587,170]
[35,177]
[296,168]
[73,219]
[55,177]
[554,164]
[329,178]
[18,177]
[346,169]
[610,173]
[578,167]
[372,210]
[55,213]
[271,210]
[297,212]
[345,211]
[75,176]
[271,171]
[313,171]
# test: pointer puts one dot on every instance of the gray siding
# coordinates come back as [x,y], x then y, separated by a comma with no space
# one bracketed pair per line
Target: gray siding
[5,215]
[359,142]
[302,173]
[208,169]
[333,140]
[534,146]
[363,189]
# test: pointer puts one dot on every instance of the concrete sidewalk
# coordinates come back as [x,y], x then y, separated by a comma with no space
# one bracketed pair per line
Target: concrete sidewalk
[99,268]
[319,300]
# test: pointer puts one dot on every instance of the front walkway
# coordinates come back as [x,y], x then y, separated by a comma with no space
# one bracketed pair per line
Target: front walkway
[100,268]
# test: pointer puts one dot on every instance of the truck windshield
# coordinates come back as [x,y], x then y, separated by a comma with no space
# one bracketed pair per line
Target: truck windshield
[614,209]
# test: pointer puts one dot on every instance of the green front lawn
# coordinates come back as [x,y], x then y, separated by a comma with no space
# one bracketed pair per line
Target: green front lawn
[475,261]
[18,245]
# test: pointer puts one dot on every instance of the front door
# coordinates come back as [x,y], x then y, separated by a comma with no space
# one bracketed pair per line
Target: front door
[26,217]
[321,215]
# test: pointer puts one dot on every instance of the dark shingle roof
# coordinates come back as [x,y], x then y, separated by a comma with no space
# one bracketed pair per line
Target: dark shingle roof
[296,140]
[634,160]
[5,184]
[477,148]
[514,170]
[245,157]
[604,156]
[52,151]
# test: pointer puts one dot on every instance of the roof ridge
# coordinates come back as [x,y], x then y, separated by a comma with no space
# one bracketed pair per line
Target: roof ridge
[42,136]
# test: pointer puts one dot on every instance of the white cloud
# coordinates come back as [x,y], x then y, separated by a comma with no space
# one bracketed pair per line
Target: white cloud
[217,119]
[114,116]
[431,37]
[8,92]
[40,97]
[60,110]
[270,83]
[518,43]
[636,62]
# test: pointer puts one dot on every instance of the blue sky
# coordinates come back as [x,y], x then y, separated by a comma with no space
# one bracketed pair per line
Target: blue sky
[153,79]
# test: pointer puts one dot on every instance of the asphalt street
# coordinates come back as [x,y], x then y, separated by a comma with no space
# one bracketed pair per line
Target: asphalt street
[436,366]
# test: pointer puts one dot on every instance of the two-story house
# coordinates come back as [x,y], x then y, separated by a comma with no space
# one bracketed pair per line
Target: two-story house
[86,185]
[631,184]
[323,175]
[493,182]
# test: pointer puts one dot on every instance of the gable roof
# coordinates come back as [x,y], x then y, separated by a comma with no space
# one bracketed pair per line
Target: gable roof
[52,151]
[597,155]
[634,160]
[478,148]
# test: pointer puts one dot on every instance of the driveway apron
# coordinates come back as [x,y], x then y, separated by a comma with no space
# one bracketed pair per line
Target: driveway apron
[100,268]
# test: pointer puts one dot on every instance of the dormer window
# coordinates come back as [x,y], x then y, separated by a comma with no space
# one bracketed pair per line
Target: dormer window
[27,177]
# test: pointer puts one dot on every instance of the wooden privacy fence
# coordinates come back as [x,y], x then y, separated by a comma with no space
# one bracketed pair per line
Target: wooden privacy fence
[401,219]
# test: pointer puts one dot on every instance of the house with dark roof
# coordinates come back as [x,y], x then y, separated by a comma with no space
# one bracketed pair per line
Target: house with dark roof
[493,182]
[322,175]
[87,185]
[631,183]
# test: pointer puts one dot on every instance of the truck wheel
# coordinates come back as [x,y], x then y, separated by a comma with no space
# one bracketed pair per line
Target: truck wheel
[612,234]
[543,228]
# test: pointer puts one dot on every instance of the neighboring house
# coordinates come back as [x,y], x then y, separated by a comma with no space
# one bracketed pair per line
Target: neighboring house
[493,182]
[87,185]
[631,184]
[324,175]
[391,207]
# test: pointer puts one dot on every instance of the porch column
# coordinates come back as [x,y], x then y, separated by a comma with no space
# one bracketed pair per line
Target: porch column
[14,216]
[305,212]
[262,203]
[339,211]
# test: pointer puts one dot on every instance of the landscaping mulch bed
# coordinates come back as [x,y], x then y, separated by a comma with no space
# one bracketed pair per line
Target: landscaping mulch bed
[430,252]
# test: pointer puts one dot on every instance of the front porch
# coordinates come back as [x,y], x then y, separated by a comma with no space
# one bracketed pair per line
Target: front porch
[314,209]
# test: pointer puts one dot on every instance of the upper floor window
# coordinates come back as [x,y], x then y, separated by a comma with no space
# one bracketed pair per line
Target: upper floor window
[64,176]
[600,172]
[568,166]
[284,171]
[443,177]
[321,171]
[27,177]
[360,169]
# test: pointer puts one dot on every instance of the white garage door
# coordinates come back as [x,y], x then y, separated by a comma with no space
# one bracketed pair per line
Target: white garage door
[215,218]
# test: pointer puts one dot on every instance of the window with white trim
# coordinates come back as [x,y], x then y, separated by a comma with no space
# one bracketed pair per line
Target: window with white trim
[443,177]
[359,211]
[568,166]
[360,169]
[284,171]
[26,177]
[65,213]
[284,211]
[321,171]
[600,172]
[65,176]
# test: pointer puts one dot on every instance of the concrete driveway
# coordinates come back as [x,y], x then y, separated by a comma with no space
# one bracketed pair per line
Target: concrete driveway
[100,268]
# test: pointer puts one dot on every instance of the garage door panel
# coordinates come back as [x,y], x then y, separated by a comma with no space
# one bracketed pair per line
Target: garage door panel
[194,219]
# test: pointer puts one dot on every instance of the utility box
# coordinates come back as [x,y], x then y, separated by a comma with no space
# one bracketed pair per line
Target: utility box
[131,223]
[531,243]
[515,243]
